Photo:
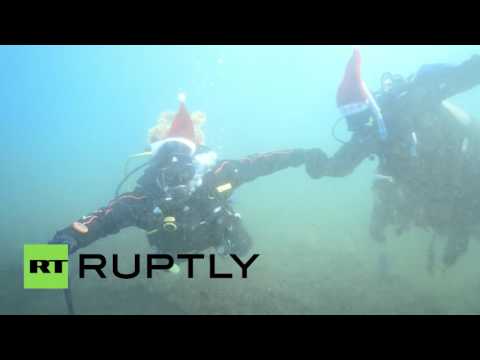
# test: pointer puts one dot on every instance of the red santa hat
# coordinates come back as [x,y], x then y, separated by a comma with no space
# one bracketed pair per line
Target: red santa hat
[352,95]
[181,130]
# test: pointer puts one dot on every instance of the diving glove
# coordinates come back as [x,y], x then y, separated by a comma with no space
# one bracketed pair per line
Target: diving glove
[62,238]
[316,163]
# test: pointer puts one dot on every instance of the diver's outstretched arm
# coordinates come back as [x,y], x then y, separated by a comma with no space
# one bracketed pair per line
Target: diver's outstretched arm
[434,83]
[345,160]
[124,211]
[230,174]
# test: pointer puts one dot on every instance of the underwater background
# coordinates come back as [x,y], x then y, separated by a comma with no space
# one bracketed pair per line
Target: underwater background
[71,115]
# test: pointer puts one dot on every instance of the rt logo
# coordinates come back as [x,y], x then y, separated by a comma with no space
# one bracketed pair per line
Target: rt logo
[45,266]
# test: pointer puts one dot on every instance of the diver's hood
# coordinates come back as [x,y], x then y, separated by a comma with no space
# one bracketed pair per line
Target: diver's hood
[156,146]
[203,157]
[203,160]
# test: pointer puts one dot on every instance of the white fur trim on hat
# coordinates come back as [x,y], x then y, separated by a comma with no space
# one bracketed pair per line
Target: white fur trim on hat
[354,108]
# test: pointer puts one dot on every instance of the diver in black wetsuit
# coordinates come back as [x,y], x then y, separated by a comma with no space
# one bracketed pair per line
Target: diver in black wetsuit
[182,199]
[428,150]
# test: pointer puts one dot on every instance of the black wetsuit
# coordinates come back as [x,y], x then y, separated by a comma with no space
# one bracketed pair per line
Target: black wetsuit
[205,220]
[422,179]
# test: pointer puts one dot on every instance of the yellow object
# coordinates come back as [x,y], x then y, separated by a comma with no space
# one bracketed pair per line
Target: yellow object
[169,224]
[224,187]
[152,232]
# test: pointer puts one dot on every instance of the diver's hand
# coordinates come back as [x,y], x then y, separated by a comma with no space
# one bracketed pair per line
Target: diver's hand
[315,163]
[62,238]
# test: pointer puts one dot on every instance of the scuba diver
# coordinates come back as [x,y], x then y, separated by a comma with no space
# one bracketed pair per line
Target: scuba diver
[182,199]
[427,149]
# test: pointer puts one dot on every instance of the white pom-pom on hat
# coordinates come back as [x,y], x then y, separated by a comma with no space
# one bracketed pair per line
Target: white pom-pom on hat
[182,97]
